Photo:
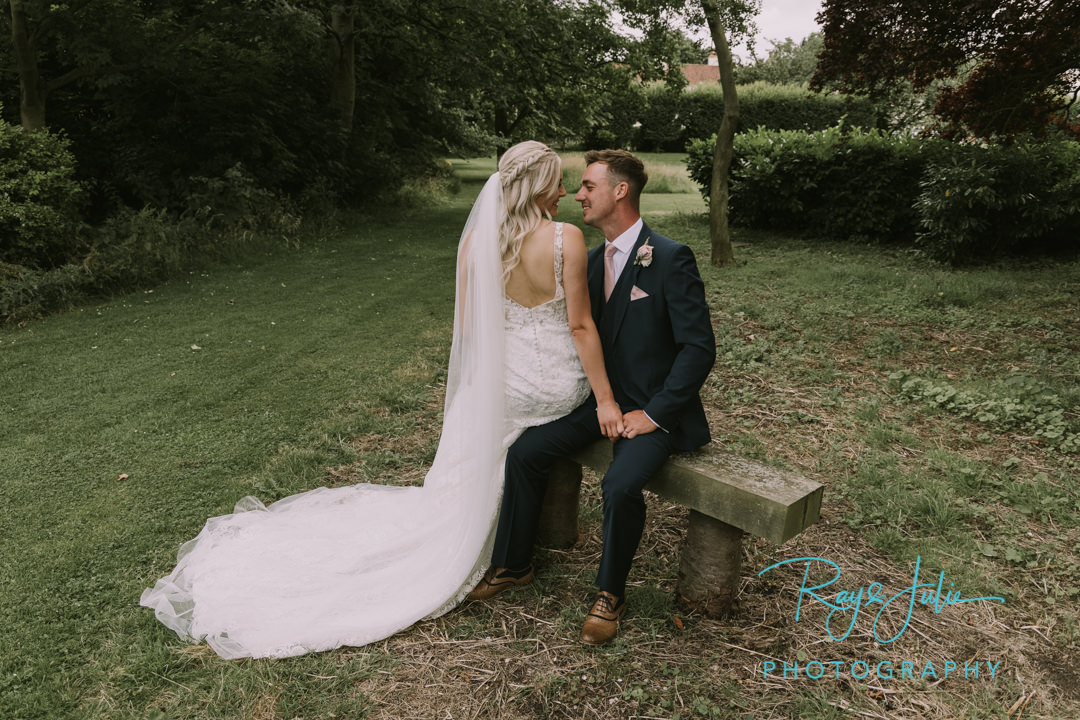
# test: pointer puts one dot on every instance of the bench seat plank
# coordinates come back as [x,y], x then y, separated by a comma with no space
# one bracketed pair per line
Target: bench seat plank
[764,501]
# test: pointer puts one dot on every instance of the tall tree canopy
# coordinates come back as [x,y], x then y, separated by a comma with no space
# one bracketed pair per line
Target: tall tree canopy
[346,95]
[1015,63]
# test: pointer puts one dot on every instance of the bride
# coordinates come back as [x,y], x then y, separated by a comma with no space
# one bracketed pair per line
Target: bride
[353,565]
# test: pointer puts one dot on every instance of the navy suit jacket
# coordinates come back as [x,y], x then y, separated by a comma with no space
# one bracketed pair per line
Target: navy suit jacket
[659,347]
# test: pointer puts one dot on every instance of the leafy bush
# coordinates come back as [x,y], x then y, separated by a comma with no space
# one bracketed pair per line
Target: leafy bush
[833,183]
[226,216]
[232,200]
[40,200]
[29,292]
[133,247]
[983,201]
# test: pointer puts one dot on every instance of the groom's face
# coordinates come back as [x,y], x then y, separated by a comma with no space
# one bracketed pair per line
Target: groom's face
[597,196]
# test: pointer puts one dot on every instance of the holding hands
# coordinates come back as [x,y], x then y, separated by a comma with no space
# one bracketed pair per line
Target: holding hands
[615,425]
[635,423]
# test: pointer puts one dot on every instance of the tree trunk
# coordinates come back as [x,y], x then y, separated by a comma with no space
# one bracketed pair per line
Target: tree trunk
[502,129]
[343,84]
[32,95]
[719,232]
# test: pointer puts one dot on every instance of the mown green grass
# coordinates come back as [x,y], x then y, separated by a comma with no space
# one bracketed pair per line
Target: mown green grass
[126,424]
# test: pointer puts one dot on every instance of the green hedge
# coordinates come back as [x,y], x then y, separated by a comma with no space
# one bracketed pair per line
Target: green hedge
[959,202]
[775,107]
[831,183]
[660,127]
[669,120]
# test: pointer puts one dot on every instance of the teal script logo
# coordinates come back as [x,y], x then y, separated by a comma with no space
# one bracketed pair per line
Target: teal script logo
[855,601]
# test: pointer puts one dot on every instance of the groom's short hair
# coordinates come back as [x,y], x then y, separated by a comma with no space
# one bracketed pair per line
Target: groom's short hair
[622,166]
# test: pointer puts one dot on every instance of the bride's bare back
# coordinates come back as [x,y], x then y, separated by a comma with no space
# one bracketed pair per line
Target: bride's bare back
[532,280]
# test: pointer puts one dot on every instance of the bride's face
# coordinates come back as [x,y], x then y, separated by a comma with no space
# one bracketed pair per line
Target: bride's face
[549,202]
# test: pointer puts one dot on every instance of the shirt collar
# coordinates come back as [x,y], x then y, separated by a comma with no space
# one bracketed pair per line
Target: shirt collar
[625,242]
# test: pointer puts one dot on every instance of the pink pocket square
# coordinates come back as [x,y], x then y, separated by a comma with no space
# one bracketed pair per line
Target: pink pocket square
[637,293]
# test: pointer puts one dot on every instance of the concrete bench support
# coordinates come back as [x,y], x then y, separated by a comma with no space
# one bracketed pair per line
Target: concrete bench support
[728,496]
[558,515]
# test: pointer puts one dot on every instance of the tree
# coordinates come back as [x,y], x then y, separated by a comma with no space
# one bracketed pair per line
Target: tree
[719,232]
[725,19]
[688,51]
[496,71]
[539,70]
[81,41]
[788,63]
[342,31]
[1015,64]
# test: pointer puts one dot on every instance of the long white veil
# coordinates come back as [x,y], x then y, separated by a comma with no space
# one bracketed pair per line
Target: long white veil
[475,431]
[353,565]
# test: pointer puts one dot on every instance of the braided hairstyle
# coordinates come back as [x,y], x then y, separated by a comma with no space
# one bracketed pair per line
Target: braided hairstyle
[529,171]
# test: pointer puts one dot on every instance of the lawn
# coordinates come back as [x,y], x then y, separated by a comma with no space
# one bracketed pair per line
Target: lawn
[940,408]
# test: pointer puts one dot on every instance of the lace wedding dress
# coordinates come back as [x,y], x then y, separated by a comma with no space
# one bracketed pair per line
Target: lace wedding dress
[353,565]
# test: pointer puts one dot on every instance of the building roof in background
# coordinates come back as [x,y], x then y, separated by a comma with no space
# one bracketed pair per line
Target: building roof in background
[697,74]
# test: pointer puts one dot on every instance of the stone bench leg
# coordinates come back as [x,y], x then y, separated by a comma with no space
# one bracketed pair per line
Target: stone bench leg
[709,566]
[559,513]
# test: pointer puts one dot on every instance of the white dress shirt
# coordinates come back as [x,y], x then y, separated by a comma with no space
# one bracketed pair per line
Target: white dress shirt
[625,245]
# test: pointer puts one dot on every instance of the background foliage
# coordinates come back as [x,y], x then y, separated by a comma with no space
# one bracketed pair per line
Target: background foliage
[180,130]
[963,202]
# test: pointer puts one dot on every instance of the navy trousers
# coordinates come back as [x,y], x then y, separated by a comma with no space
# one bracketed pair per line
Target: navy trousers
[528,462]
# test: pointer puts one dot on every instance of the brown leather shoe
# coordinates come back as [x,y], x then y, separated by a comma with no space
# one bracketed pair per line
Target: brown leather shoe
[497,581]
[603,620]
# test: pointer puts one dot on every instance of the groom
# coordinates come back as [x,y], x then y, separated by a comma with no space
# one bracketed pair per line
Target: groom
[648,302]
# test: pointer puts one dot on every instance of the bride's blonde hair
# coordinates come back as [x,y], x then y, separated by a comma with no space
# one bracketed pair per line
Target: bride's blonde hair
[528,171]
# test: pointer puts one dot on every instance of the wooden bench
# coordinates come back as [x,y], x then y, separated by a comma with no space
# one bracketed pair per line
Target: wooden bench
[727,496]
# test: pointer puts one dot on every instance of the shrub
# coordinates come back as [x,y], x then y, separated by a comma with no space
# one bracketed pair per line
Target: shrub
[40,200]
[29,292]
[132,247]
[227,215]
[232,200]
[833,183]
[669,119]
[983,201]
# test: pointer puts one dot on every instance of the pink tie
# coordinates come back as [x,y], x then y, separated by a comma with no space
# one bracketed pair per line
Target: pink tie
[609,269]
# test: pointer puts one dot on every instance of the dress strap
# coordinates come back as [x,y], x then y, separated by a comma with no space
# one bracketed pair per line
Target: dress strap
[558,259]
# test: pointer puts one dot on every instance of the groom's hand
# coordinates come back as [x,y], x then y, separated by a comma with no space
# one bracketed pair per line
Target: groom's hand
[635,423]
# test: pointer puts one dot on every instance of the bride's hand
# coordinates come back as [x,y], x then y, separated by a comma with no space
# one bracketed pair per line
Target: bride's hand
[611,419]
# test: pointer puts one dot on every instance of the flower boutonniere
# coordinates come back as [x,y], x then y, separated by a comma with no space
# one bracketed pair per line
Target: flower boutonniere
[644,254]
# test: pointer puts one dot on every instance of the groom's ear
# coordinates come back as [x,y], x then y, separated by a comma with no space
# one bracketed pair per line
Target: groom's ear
[622,190]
